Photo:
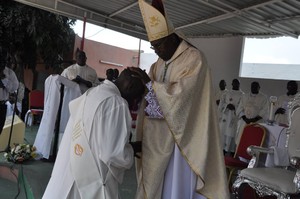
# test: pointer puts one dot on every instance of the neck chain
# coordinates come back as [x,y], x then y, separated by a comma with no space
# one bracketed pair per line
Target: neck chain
[167,64]
[165,70]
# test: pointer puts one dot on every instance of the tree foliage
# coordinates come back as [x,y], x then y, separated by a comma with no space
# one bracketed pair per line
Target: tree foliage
[29,33]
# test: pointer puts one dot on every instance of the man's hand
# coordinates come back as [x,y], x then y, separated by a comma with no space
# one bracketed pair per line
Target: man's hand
[280,111]
[79,80]
[253,120]
[246,119]
[137,148]
[231,107]
[141,74]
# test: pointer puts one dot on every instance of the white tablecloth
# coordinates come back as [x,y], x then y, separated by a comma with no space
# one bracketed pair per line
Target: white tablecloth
[275,138]
[276,135]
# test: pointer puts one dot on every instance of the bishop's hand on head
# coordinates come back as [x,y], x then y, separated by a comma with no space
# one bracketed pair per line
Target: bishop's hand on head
[141,74]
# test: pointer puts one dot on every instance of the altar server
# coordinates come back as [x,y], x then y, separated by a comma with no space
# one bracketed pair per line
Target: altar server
[81,73]
[281,113]
[228,117]
[253,108]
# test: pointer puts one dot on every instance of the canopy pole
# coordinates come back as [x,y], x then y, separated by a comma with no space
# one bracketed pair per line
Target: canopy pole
[139,55]
[83,32]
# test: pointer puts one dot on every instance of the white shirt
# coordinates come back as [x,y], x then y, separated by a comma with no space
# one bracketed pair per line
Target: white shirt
[253,105]
[10,82]
[85,72]
[282,102]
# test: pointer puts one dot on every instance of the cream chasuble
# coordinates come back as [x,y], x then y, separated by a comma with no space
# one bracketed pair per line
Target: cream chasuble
[190,121]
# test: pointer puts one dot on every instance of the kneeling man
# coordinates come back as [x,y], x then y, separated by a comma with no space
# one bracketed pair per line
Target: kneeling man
[95,151]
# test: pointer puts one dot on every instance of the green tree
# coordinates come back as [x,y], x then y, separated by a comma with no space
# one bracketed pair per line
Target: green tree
[28,33]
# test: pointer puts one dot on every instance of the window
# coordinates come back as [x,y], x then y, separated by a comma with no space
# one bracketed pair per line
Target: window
[272,58]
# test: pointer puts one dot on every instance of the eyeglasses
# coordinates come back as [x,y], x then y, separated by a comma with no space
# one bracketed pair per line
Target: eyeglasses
[159,45]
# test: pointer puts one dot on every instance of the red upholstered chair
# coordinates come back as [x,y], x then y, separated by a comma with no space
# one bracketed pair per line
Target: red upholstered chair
[36,104]
[253,134]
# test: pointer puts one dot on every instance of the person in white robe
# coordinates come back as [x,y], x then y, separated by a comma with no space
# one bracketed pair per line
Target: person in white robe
[228,117]
[95,151]
[81,73]
[8,84]
[181,156]
[12,101]
[45,134]
[281,106]
[222,90]
[253,108]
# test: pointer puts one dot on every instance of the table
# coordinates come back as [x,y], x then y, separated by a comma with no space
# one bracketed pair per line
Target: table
[276,137]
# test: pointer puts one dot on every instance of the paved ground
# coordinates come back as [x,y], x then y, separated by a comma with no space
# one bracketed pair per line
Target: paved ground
[37,174]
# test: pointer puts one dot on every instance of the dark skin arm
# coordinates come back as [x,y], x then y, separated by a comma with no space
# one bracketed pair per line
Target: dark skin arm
[231,107]
[79,80]
[253,120]
[137,146]
[141,74]
[280,111]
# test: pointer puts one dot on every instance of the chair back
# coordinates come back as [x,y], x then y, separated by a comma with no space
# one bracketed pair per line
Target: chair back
[253,134]
[36,99]
[293,133]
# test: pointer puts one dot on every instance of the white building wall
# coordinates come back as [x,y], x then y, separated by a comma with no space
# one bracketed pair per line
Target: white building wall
[224,56]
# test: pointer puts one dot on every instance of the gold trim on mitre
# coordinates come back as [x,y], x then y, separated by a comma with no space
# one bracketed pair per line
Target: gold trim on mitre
[157,25]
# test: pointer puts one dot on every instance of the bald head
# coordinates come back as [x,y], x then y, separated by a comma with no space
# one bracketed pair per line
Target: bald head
[292,88]
[222,85]
[255,87]
[235,84]
[80,58]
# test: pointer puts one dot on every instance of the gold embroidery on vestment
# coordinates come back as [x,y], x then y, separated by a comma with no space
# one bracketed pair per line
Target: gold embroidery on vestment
[78,150]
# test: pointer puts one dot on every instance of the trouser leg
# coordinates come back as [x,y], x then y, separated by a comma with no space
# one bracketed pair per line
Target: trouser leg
[2,116]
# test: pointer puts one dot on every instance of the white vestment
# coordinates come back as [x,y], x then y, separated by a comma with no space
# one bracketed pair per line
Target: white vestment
[10,108]
[107,116]
[228,118]
[282,102]
[251,105]
[51,104]
[219,93]
[85,72]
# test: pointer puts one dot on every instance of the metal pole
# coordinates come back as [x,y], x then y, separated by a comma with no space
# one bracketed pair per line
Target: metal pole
[139,55]
[83,32]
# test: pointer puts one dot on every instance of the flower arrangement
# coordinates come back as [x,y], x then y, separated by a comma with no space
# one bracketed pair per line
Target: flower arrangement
[20,153]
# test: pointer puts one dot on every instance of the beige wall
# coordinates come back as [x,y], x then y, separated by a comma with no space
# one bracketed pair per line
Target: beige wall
[96,51]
